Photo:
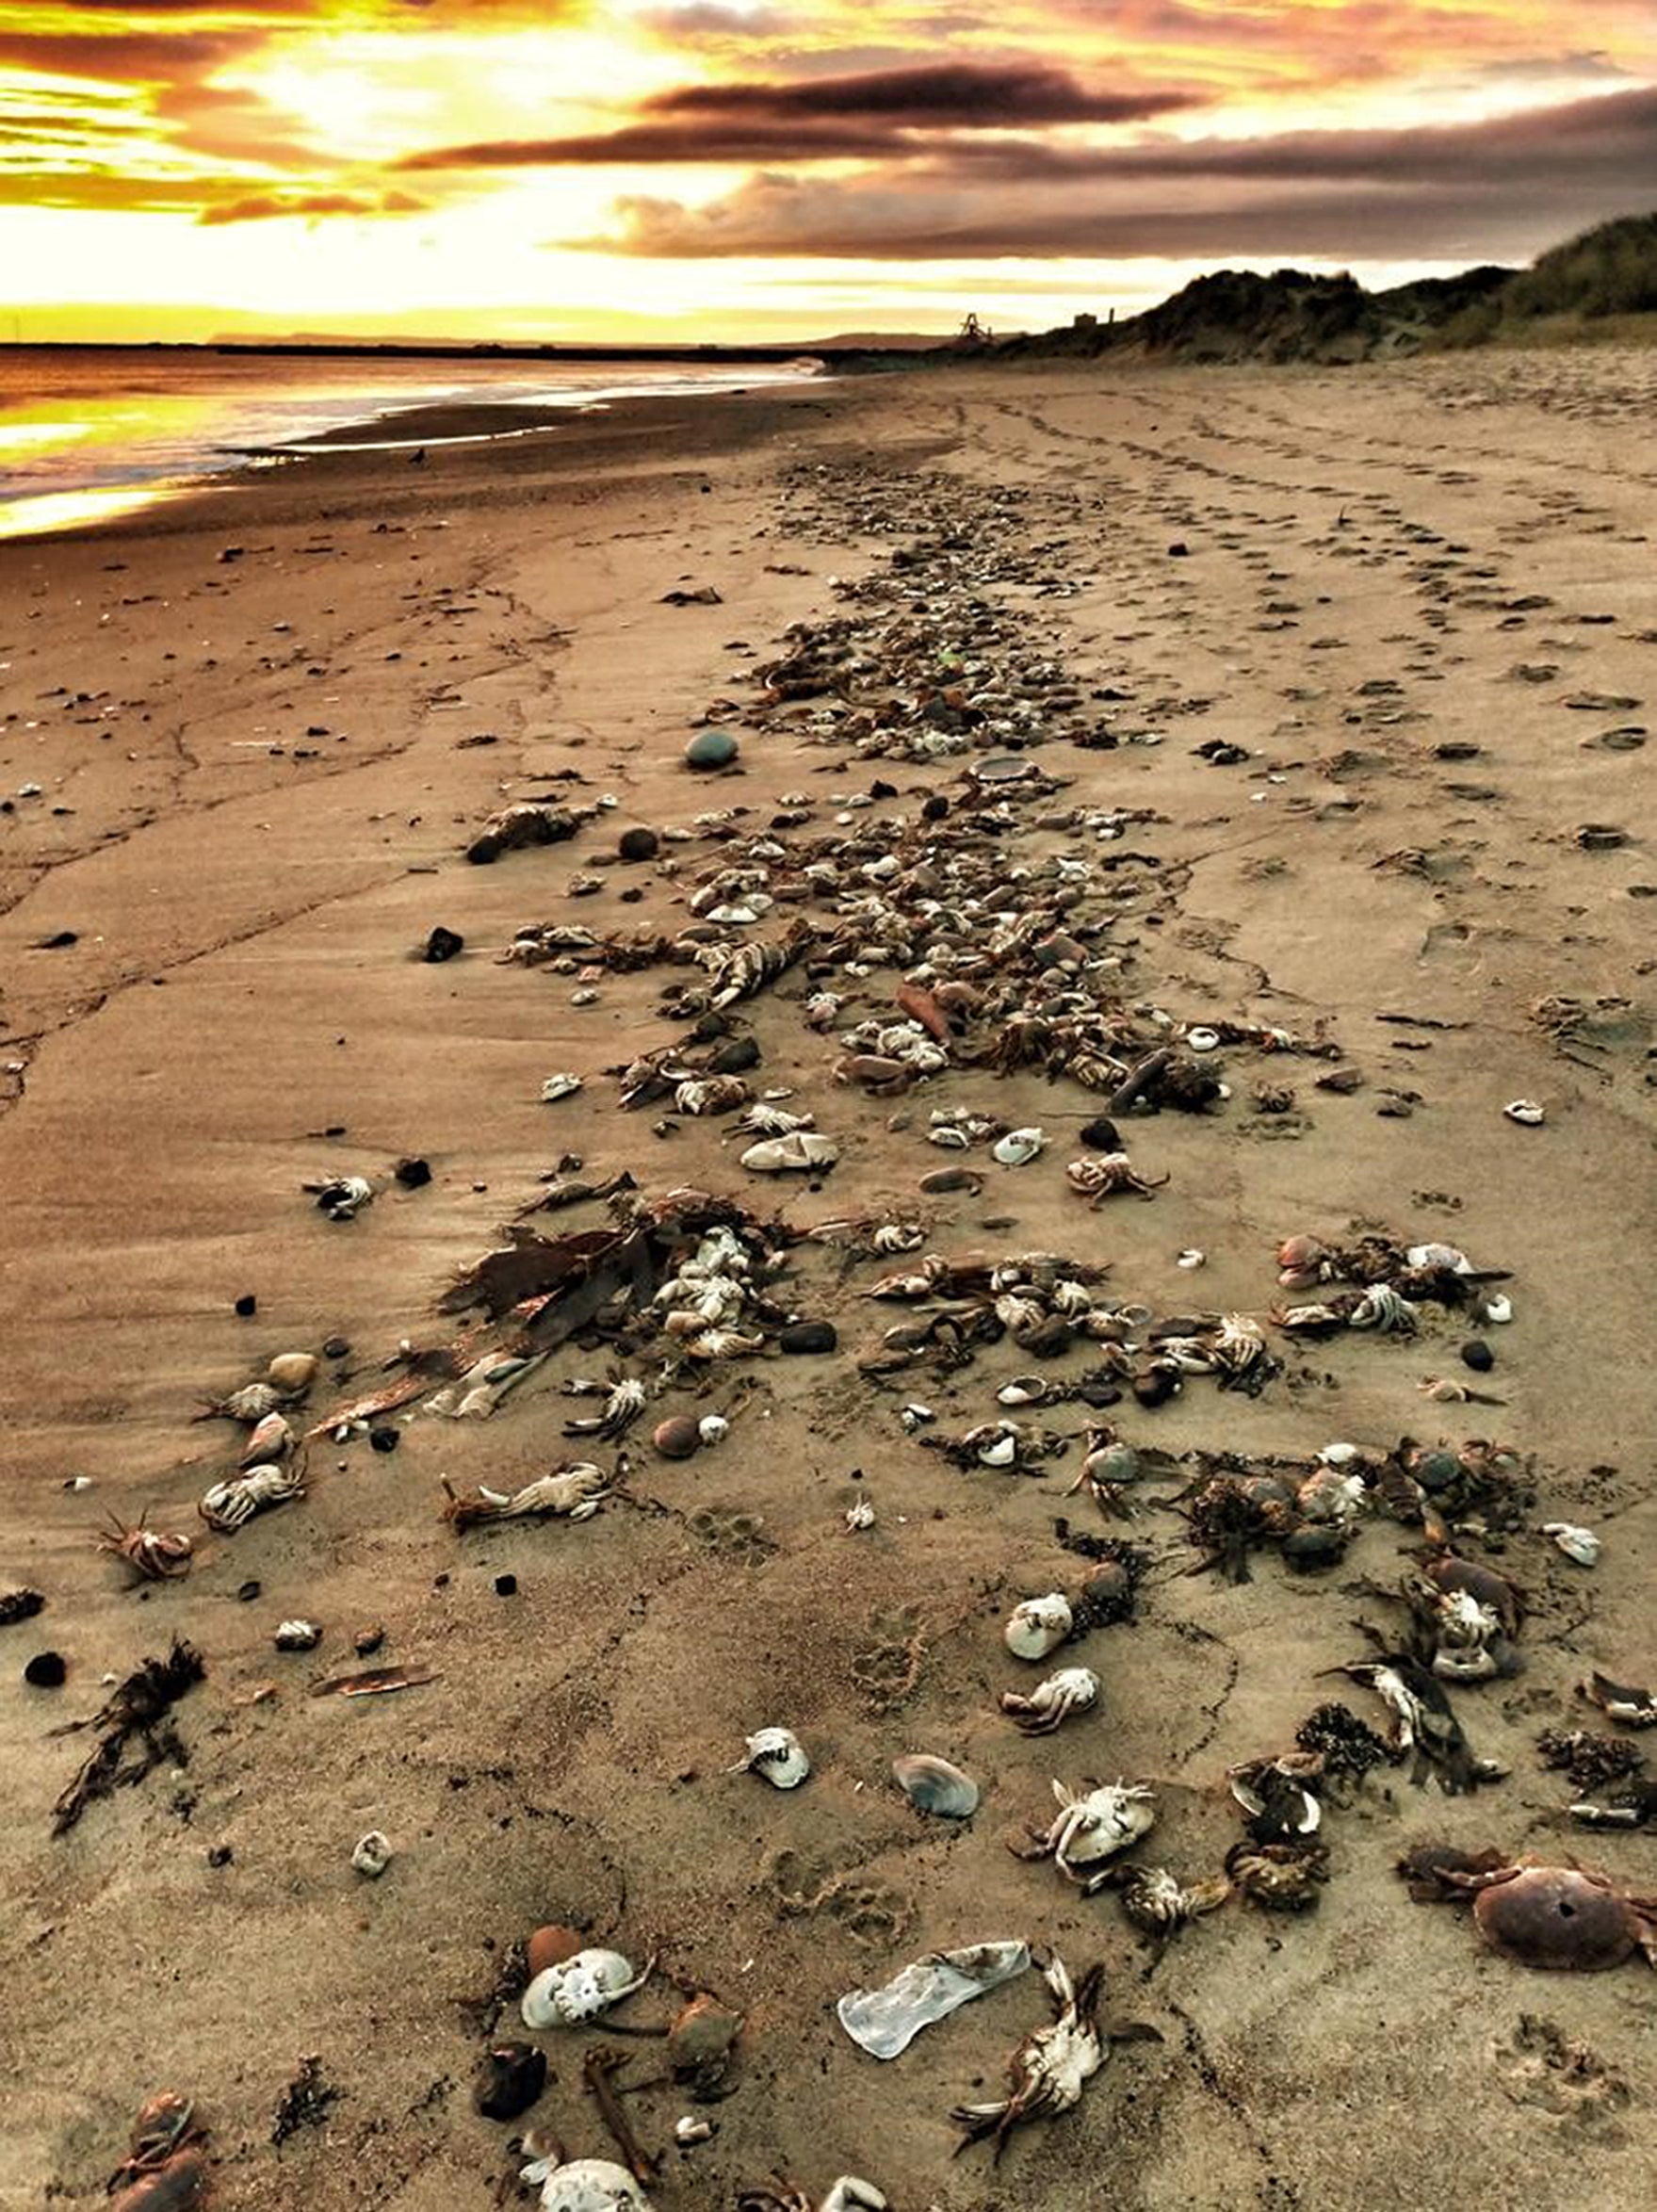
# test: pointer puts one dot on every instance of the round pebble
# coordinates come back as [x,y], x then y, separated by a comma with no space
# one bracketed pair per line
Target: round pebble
[46,1671]
[1477,1355]
[550,1947]
[639,844]
[711,749]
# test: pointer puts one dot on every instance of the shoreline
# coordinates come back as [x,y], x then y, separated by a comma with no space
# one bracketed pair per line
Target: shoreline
[468,421]
[267,723]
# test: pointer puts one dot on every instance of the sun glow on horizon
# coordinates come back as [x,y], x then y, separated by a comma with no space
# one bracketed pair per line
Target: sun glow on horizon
[490,166]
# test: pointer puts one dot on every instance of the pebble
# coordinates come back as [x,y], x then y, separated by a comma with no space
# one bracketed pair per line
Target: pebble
[805,1336]
[639,844]
[443,944]
[46,1671]
[551,1945]
[1477,1355]
[510,2080]
[676,1438]
[711,749]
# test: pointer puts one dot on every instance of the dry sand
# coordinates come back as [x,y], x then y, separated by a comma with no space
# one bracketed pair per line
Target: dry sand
[258,777]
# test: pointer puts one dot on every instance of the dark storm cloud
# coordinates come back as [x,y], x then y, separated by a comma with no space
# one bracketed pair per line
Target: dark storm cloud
[1490,191]
[874,114]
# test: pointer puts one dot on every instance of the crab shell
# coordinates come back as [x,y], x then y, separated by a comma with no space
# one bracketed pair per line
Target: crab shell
[1095,1827]
[579,1988]
[1562,1921]
[592,2185]
[1073,1689]
[1038,1626]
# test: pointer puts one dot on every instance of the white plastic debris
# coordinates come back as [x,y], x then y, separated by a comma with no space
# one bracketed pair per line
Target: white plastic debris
[886,2021]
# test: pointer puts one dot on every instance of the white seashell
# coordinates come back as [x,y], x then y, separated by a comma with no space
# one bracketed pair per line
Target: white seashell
[1499,1308]
[688,2130]
[1579,1544]
[934,1786]
[580,1989]
[1190,1257]
[1525,1111]
[713,1428]
[1202,1040]
[298,1636]
[1019,1147]
[587,2185]
[860,1516]
[1024,1389]
[778,1755]
[1338,1454]
[801,1151]
[1439,1256]
[560,1086]
[372,1855]
[913,1415]
[1002,1452]
[1038,1626]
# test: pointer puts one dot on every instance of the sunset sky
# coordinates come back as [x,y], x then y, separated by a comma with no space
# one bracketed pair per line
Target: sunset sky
[670,168]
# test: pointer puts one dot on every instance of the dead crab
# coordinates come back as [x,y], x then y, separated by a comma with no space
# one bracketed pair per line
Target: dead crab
[1050,2068]
[1157,1903]
[165,2170]
[575,1493]
[848,2194]
[623,1401]
[153,1555]
[1107,1176]
[1558,1919]
[1092,1828]
[1073,1689]
[228,1505]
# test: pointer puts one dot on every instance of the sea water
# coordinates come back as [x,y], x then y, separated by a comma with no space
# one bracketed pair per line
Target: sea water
[90,432]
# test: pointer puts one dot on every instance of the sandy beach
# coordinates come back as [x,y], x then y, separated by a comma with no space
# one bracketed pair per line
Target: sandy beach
[246,741]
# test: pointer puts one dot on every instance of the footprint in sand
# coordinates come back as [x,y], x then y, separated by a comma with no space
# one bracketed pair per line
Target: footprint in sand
[1537,2065]
[888,1667]
[737,1537]
[875,1915]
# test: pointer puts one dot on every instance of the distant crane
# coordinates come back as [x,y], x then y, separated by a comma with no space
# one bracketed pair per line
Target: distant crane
[973,332]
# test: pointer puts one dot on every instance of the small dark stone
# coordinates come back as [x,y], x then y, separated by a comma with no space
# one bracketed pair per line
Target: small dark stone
[336,1348]
[506,1585]
[511,2078]
[934,809]
[735,1057]
[1477,1355]
[1102,1134]
[220,1855]
[250,1590]
[639,844]
[809,1336]
[1179,550]
[59,941]
[367,1640]
[443,944]
[385,1438]
[19,1604]
[46,1671]
[880,788]
[483,850]
[413,1174]
[246,1306]
[1155,1387]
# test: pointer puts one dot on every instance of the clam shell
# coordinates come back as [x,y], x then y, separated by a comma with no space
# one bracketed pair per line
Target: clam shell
[932,1785]
[550,1947]
[291,1372]
[678,1436]
[1038,1626]
[1018,1147]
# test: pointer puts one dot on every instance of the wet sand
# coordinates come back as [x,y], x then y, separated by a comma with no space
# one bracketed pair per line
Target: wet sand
[267,723]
